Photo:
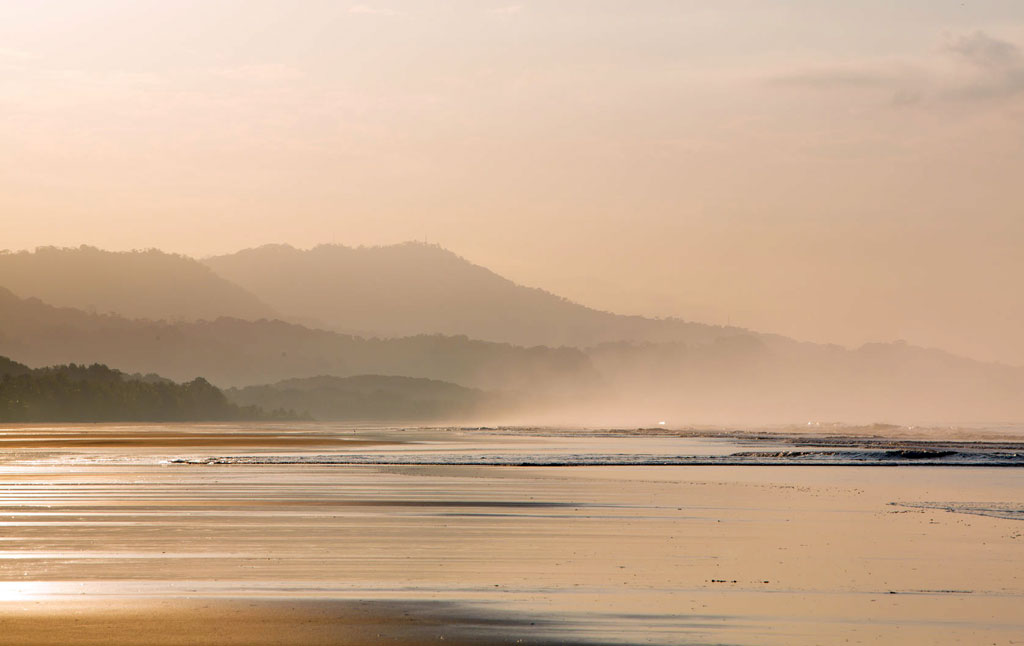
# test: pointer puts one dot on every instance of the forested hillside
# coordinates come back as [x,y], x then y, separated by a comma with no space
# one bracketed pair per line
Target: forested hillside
[376,398]
[233,352]
[96,393]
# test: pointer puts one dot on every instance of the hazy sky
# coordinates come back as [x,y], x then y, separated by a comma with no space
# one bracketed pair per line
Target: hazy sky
[832,170]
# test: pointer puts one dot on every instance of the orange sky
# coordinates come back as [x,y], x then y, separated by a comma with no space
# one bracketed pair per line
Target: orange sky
[834,171]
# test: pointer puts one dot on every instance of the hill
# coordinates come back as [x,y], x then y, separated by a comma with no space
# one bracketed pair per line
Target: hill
[12,368]
[144,284]
[233,352]
[738,379]
[374,398]
[96,393]
[415,288]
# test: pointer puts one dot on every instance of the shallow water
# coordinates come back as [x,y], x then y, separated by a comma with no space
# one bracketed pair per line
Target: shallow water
[612,554]
[350,444]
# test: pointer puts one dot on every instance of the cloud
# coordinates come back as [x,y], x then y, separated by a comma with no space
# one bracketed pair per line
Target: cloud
[984,51]
[975,67]
[998,67]
[842,77]
[888,82]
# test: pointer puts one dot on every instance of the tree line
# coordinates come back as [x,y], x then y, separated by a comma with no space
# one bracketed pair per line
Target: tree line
[97,393]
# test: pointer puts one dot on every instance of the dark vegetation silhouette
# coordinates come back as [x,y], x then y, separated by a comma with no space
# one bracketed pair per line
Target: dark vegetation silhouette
[96,393]
[375,398]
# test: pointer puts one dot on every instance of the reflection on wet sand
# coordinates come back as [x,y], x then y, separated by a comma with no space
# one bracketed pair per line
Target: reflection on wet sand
[93,550]
[192,436]
[242,622]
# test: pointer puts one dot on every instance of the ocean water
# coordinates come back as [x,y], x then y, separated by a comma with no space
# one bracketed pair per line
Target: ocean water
[338,444]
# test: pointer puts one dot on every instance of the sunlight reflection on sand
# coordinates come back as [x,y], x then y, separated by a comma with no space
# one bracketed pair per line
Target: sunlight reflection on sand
[615,554]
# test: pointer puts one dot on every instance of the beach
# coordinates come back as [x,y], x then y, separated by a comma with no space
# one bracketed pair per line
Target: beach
[117,543]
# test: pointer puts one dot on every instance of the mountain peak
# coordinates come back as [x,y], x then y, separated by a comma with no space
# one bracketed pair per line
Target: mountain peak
[146,283]
[417,287]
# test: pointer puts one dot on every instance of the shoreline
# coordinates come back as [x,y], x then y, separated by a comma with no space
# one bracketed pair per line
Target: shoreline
[113,546]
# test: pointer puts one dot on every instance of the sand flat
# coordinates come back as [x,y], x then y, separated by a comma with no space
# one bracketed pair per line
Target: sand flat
[663,555]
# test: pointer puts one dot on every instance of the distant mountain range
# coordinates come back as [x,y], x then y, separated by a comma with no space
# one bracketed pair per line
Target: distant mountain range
[234,352]
[415,288]
[394,291]
[136,284]
[425,313]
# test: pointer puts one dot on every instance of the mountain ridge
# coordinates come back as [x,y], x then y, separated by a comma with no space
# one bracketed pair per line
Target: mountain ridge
[737,379]
[235,352]
[412,287]
[149,283]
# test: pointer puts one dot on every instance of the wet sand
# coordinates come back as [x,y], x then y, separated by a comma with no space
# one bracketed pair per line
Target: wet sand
[242,622]
[96,551]
[146,438]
